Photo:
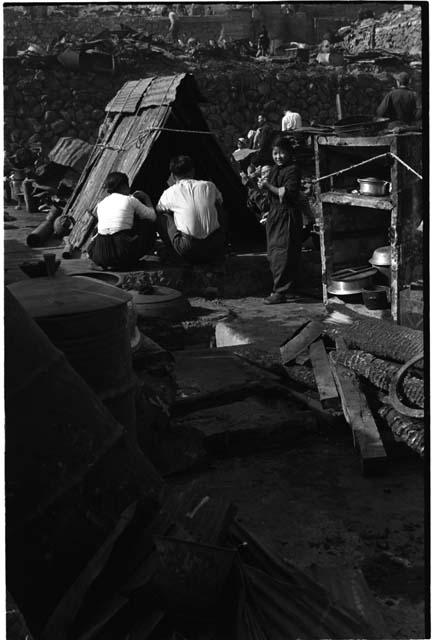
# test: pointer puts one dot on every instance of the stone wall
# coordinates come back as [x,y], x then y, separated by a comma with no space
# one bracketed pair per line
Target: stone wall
[41,106]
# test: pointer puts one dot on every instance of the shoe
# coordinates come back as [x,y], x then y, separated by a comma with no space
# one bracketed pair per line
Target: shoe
[275,298]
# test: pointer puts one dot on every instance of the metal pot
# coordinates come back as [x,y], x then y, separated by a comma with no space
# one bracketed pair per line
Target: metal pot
[351,281]
[381,257]
[373,187]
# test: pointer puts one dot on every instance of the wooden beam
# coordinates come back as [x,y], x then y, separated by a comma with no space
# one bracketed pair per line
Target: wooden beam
[358,415]
[291,349]
[328,394]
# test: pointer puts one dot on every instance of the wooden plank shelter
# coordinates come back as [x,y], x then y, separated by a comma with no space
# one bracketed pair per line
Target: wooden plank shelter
[147,122]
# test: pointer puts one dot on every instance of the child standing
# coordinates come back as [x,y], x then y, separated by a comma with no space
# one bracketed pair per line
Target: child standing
[284,221]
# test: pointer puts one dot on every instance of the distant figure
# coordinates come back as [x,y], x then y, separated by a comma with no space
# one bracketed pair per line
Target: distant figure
[125,227]
[263,43]
[262,140]
[174,27]
[189,215]
[291,121]
[401,104]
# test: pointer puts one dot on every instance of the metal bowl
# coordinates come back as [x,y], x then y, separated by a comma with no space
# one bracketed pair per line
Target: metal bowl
[381,257]
[351,281]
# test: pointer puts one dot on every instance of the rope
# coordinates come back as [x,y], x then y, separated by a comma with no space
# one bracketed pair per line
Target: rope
[359,164]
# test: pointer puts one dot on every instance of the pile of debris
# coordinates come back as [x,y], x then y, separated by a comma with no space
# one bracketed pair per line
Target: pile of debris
[375,368]
[398,32]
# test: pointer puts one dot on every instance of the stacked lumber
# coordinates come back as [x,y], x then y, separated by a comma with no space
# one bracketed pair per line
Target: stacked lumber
[366,361]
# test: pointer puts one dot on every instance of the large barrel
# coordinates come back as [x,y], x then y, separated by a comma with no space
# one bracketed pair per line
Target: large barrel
[69,475]
[87,321]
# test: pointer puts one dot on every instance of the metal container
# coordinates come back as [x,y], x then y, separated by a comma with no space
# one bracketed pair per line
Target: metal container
[373,187]
[351,281]
[381,257]
[381,261]
[87,321]
[376,297]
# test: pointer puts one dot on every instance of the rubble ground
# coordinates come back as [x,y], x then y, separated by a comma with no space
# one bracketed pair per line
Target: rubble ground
[312,503]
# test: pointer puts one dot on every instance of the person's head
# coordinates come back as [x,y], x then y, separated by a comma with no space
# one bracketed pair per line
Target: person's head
[117,182]
[241,143]
[261,119]
[265,172]
[182,167]
[403,79]
[282,151]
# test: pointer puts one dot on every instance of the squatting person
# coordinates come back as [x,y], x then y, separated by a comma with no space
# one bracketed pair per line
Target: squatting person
[125,227]
[190,215]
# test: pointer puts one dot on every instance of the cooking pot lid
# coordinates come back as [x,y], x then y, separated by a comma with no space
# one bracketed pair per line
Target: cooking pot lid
[353,274]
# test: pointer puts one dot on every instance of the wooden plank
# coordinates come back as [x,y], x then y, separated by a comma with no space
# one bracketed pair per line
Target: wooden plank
[354,200]
[358,415]
[291,349]
[328,394]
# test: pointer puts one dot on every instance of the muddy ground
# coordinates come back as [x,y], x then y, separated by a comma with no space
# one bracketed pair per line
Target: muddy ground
[314,505]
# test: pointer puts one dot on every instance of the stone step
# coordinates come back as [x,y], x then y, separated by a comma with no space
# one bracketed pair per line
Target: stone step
[254,423]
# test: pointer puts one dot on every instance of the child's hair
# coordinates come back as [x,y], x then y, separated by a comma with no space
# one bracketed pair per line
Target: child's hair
[181,166]
[115,181]
[283,143]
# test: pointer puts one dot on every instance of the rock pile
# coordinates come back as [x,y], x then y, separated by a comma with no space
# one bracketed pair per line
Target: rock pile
[399,31]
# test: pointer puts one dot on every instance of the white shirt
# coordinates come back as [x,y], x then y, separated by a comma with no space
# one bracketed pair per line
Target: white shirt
[291,120]
[116,213]
[193,203]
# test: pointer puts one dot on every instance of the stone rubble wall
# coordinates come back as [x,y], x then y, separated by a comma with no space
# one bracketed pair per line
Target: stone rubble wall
[42,106]
[399,31]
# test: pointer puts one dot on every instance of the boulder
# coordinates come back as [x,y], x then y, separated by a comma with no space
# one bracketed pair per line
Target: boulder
[59,126]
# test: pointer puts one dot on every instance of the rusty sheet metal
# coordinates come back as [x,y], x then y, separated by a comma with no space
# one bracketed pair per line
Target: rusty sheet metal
[71,152]
[127,98]
[130,149]
[163,91]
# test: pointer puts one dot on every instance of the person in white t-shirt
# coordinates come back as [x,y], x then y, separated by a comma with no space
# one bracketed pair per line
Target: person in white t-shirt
[189,215]
[125,225]
[291,121]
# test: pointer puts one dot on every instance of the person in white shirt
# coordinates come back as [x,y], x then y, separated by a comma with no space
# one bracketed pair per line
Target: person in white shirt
[291,121]
[125,225]
[189,214]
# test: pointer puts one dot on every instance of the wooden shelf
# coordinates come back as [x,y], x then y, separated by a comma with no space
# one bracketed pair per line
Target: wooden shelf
[384,140]
[354,200]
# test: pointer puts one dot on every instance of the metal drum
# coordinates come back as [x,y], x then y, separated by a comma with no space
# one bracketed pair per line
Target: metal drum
[69,476]
[88,321]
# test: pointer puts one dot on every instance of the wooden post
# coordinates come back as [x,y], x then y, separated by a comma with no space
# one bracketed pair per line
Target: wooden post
[358,415]
[328,394]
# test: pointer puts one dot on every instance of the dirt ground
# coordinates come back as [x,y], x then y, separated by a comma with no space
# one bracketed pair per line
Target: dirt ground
[314,505]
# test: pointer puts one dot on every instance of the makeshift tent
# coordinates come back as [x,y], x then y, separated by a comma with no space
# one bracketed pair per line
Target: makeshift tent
[147,122]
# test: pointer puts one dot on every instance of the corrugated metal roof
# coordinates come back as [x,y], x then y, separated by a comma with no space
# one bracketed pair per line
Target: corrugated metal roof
[71,152]
[163,91]
[150,92]
[128,97]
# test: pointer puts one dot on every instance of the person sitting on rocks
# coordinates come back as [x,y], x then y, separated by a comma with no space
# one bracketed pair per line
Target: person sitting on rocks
[400,104]
[125,227]
[189,215]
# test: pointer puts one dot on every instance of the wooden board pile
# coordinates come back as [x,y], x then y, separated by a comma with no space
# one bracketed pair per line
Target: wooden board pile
[354,363]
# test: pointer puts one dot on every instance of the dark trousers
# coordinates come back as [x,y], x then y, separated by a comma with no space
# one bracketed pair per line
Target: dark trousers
[122,250]
[284,242]
[192,249]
